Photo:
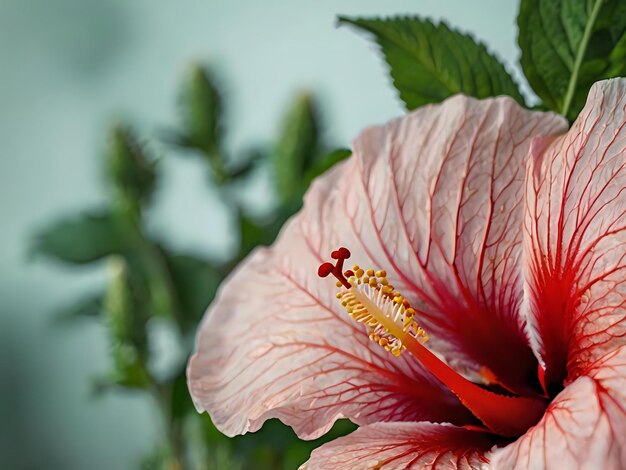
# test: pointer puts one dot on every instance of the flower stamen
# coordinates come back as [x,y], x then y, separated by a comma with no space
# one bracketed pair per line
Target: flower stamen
[371,300]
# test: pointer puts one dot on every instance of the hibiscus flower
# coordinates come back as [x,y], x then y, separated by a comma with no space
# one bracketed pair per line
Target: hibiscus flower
[483,324]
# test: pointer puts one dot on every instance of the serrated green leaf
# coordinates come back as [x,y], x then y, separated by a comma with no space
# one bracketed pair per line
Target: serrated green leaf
[131,170]
[83,239]
[568,45]
[296,149]
[430,62]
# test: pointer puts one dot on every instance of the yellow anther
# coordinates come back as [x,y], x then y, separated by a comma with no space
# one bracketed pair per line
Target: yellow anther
[338,284]
[387,314]
[355,268]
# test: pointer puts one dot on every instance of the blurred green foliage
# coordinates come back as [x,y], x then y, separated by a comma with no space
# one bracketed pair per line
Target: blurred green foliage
[148,280]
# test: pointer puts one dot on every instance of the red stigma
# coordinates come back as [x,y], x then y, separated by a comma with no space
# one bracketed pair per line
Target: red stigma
[325,269]
[340,254]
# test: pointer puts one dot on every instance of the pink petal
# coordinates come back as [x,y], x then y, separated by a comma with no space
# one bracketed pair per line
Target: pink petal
[277,343]
[575,236]
[438,203]
[404,445]
[584,427]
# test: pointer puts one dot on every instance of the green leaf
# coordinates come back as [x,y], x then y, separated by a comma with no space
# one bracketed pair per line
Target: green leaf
[258,232]
[275,445]
[325,163]
[83,239]
[132,375]
[251,234]
[430,62]
[87,307]
[131,170]
[195,282]
[243,168]
[568,45]
[181,403]
[296,149]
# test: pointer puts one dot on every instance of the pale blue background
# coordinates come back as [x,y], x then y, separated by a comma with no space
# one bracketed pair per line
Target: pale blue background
[68,68]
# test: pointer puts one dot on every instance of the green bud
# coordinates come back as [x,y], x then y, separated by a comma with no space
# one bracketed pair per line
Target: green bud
[125,307]
[296,149]
[131,171]
[201,108]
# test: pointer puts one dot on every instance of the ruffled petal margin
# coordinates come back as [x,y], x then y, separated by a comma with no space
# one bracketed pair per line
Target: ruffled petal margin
[387,446]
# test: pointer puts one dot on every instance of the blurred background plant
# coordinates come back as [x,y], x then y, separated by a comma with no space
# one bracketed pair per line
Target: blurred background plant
[157,288]
[150,282]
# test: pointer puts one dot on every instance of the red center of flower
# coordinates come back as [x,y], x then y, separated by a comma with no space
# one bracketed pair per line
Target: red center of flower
[368,298]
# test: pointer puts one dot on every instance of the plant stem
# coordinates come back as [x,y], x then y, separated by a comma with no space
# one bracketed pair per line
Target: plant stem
[162,397]
[165,299]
